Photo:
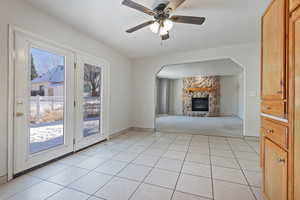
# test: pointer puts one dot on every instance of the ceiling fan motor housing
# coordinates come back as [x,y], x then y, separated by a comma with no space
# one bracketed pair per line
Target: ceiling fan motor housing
[161,13]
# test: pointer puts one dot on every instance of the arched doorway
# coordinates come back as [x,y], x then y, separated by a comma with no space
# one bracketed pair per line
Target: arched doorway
[201,98]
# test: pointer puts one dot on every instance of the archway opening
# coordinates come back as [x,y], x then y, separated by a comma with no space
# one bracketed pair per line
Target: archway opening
[206,97]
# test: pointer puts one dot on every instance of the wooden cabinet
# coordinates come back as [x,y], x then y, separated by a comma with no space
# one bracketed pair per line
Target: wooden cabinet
[275,172]
[273,57]
[273,69]
[280,100]
[294,4]
[294,52]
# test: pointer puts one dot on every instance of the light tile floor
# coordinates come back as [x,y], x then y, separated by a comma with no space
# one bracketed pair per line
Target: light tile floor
[147,166]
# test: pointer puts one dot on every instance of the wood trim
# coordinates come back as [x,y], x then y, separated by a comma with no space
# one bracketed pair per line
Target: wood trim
[294,7]
[295,16]
[201,89]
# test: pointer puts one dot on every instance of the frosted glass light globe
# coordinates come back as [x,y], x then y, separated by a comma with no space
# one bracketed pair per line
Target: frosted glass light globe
[163,31]
[155,27]
[168,24]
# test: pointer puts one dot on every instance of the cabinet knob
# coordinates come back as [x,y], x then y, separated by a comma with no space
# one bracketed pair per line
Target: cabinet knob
[270,131]
[281,160]
[268,107]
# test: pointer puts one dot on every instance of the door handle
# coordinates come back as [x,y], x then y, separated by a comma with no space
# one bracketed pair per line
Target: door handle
[19,102]
[19,114]
[281,160]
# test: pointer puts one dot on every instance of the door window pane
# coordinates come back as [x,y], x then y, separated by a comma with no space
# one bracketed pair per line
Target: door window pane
[47,81]
[92,100]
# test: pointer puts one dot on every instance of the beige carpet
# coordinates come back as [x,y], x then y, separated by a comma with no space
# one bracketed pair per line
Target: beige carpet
[219,126]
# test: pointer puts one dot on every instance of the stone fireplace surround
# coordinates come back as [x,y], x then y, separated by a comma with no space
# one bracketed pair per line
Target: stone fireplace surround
[198,87]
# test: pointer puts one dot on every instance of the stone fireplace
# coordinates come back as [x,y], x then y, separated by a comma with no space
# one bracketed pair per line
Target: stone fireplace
[201,96]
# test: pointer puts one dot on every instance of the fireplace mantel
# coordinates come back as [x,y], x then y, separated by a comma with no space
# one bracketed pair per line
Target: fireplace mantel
[201,89]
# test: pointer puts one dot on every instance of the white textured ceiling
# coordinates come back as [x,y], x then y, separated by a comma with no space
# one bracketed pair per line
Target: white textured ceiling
[220,67]
[228,22]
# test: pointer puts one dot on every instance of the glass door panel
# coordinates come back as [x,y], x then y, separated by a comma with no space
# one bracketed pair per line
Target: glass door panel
[46,118]
[91,100]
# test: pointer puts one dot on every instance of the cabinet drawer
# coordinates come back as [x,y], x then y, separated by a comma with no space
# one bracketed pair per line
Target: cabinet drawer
[276,108]
[276,132]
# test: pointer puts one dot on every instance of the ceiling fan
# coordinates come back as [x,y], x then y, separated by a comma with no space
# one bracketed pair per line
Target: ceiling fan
[163,21]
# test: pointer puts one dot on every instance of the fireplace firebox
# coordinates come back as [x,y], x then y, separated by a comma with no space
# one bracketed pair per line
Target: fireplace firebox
[200,104]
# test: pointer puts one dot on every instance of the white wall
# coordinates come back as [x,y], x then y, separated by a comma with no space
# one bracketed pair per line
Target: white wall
[163,96]
[229,95]
[241,97]
[21,14]
[144,73]
[229,100]
[176,92]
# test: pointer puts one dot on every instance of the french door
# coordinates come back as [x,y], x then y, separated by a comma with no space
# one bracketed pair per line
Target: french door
[59,102]
[90,84]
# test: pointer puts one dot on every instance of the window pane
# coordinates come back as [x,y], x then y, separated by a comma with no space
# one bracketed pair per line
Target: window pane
[92,100]
[46,100]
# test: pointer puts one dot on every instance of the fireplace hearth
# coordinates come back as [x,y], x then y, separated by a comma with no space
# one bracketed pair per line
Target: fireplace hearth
[200,104]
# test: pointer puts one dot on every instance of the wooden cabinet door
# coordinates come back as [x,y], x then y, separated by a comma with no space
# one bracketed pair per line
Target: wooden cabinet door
[275,172]
[295,86]
[294,4]
[273,69]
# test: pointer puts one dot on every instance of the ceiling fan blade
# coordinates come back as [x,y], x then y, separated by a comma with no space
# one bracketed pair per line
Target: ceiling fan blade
[173,5]
[165,37]
[138,27]
[188,19]
[138,7]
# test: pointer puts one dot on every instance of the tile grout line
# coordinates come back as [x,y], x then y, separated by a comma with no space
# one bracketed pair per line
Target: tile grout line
[211,167]
[66,186]
[92,170]
[152,167]
[115,175]
[131,162]
[141,138]
[236,158]
[180,172]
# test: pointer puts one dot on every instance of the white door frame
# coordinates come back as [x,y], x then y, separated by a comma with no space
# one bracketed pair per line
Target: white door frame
[23,159]
[11,97]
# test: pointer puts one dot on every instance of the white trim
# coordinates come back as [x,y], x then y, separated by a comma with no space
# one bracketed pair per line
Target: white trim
[244,99]
[274,117]
[10,113]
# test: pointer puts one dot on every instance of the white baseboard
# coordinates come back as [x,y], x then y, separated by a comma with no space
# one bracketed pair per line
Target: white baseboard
[253,138]
[3,179]
[152,130]
[116,134]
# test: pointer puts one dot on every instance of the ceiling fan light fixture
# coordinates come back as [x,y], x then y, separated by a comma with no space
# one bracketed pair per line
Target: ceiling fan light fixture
[155,27]
[168,24]
[163,31]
